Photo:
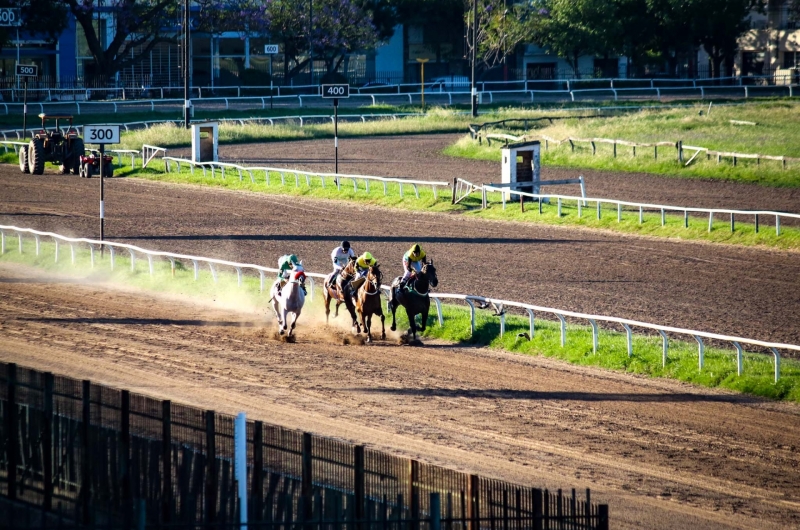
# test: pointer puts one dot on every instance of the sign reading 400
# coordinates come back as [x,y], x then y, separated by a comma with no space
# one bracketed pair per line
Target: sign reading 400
[101,134]
[335,91]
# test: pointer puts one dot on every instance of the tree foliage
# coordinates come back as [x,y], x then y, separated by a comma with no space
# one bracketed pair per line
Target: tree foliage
[43,18]
[501,28]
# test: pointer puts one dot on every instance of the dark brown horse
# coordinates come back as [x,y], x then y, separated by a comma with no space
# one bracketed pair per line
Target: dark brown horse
[415,297]
[339,292]
[368,301]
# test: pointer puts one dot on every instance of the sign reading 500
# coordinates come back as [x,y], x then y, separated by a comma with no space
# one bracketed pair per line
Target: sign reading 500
[101,134]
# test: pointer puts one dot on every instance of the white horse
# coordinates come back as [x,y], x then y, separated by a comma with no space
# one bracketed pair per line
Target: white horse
[290,300]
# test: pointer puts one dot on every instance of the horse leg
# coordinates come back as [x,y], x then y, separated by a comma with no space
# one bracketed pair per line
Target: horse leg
[383,327]
[338,303]
[327,299]
[294,323]
[284,314]
[393,309]
[366,321]
[424,314]
[412,322]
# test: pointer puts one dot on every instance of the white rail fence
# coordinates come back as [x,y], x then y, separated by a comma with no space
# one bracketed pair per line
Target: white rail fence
[524,92]
[583,202]
[334,178]
[215,265]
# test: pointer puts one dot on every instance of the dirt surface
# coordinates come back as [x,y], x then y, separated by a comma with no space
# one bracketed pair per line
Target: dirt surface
[747,292]
[663,454]
[419,157]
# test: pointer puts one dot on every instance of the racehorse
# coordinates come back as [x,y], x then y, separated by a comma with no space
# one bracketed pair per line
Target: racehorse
[368,301]
[332,292]
[290,300]
[417,300]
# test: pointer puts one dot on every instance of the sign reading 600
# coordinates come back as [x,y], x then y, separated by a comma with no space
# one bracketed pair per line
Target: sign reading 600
[101,134]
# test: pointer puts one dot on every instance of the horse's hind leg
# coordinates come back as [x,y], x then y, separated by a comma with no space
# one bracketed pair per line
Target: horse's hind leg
[327,300]
[393,309]
[383,327]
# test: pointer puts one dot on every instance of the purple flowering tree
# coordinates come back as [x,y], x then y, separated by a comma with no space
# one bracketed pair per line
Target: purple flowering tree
[338,28]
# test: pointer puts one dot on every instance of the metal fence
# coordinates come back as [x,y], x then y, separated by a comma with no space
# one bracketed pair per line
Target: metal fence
[108,458]
[166,99]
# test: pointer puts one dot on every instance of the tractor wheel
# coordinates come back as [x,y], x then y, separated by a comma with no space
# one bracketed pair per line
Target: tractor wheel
[108,170]
[23,159]
[87,170]
[78,150]
[36,156]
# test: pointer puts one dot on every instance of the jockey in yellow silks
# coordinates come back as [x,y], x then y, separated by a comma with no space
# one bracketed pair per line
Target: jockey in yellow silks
[412,263]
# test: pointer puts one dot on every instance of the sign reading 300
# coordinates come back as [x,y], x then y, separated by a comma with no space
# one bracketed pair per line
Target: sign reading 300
[101,134]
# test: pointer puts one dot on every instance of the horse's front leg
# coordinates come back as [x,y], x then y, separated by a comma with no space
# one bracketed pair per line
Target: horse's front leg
[366,321]
[424,315]
[383,327]
[327,299]
[338,303]
[412,322]
[393,309]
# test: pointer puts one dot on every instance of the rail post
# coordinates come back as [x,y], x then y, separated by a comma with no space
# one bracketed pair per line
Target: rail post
[211,467]
[359,484]
[474,502]
[47,442]
[86,454]
[257,489]
[436,511]
[307,476]
[124,453]
[12,431]
[538,522]
[166,462]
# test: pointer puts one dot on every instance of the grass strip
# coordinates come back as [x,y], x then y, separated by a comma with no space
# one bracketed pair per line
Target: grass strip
[744,233]
[776,132]
[719,370]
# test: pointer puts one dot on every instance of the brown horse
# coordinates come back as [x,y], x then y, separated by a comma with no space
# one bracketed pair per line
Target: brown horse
[368,301]
[339,293]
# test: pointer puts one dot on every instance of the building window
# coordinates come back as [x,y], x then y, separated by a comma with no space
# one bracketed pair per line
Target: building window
[752,63]
[791,59]
[541,71]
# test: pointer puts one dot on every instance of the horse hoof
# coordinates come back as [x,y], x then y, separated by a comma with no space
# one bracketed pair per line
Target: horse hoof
[393,327]
[280,332]
[369,339]
[383,336]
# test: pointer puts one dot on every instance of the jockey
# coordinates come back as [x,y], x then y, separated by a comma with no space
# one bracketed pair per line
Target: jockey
[412,263]
[363,263]
[340,256]
[286,264]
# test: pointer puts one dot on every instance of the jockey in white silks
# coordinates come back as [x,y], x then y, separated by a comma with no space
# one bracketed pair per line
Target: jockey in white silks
[340,256]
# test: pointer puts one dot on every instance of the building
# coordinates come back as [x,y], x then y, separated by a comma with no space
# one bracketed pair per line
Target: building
[772,44]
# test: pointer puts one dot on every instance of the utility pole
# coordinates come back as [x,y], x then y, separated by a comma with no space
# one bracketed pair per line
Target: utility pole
[187,102]
[474,57]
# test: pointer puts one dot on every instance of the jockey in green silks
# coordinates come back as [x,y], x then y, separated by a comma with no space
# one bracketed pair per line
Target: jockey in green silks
[286,264]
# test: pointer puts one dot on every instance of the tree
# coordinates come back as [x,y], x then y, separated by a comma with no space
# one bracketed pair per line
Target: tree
[139,25]
[573,28]
[338,27]
[501,29]
[719,34]
[46,18]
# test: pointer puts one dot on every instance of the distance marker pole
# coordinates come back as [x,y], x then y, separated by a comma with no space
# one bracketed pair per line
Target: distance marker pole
[25,110]
[336,134]
[102,177]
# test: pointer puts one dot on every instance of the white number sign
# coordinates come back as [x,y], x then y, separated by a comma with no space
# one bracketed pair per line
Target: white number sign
[27,70]
[101,134]
[10,17]
[335,91]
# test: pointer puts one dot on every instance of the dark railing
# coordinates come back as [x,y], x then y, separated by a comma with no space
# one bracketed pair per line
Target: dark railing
[107,458]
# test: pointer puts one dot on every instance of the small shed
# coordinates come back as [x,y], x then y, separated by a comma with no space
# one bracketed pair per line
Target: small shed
[205,142]
[521,165]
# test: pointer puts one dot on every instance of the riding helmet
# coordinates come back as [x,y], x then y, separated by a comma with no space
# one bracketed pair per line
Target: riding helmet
[345,245]
[415,249]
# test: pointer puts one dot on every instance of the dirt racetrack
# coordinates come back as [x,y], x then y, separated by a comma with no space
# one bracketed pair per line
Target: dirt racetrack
[419,157]
[663,454]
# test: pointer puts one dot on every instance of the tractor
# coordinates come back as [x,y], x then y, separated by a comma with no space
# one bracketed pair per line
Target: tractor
[90,165]
[56,146]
